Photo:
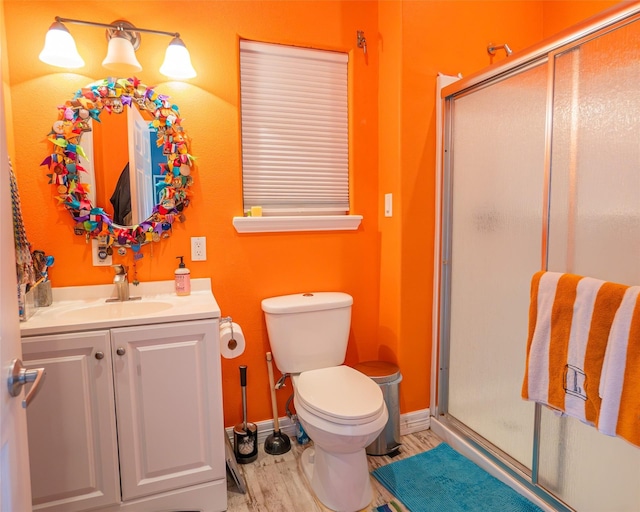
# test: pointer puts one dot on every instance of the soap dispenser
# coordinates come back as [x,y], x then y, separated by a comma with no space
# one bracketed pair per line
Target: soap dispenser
[183,278]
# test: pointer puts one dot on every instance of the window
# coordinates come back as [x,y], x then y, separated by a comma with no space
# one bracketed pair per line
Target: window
[295,133]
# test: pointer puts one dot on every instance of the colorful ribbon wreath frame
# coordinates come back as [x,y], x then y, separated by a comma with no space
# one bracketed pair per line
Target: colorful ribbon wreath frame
[113,95]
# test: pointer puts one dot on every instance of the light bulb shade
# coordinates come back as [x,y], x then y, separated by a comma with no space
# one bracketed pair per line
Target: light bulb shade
[121,56]
[177,61]
[60,48]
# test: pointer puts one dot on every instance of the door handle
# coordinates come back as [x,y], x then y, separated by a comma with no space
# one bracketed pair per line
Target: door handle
[19,376]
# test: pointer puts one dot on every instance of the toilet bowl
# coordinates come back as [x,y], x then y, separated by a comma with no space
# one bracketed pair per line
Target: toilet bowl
[341,409]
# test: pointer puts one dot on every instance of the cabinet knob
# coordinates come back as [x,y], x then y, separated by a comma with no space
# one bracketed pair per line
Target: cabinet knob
[99,355]
[120,351]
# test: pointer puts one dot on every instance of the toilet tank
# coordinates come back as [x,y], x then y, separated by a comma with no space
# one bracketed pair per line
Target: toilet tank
[308,330]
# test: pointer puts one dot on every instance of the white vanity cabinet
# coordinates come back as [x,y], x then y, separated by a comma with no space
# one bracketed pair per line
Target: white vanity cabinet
[167,380]
[129,418]
[71,422]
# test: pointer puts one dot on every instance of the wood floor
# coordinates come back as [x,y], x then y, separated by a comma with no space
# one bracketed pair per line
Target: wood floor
[275,482]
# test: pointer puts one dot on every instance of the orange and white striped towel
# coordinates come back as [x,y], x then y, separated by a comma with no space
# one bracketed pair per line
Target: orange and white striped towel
[570,318]
[620,381]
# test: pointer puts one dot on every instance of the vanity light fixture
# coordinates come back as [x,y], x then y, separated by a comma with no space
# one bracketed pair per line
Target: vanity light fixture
[60,48]
[124,38]
[177,61]
[121,51]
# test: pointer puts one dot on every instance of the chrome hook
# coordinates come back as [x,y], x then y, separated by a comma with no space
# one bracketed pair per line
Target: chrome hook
[491,49]
[362,41]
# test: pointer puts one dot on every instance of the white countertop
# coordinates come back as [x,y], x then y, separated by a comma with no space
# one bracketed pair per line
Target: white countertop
[82,308]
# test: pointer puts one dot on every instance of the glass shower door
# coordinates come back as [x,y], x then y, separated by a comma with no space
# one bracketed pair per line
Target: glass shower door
[496,192]
[594,230]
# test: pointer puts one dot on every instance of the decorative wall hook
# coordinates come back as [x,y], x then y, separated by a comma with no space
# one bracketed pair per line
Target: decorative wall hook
[362,41]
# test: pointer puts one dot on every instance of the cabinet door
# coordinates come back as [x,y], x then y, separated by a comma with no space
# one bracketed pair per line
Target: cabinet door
[71,423]
[169,406]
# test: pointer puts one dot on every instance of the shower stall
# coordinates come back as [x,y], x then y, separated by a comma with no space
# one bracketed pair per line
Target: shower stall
[541,170]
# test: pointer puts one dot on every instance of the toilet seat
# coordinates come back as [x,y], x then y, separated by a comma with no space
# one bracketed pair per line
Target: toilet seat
[340,394]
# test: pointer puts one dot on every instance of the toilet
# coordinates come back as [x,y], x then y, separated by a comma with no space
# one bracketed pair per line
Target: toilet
[341,409]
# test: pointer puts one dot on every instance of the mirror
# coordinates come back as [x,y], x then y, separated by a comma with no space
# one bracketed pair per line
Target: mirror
[120,162]
[124,164]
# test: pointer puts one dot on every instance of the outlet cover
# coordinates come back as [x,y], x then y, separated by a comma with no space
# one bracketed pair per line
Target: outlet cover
[198,248]
[100,254]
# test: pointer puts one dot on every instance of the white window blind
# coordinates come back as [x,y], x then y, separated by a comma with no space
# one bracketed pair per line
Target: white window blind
[295,132]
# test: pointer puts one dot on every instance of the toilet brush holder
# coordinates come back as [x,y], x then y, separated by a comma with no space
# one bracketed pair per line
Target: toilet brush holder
[245,434]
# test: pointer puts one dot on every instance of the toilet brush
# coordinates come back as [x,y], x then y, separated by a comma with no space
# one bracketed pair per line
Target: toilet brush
[278,442]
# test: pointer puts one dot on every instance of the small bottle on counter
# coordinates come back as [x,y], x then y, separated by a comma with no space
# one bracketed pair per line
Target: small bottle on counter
[183,278]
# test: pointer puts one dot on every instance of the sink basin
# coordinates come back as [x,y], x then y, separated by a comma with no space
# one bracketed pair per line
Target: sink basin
[108,310]
[81,308]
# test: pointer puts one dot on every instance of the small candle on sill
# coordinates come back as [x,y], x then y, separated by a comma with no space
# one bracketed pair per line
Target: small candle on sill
[256,211]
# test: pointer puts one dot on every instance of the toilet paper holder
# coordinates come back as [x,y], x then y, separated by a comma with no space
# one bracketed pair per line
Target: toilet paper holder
[229,320]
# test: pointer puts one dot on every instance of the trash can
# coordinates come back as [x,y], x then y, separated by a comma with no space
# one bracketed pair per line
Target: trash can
[388,377]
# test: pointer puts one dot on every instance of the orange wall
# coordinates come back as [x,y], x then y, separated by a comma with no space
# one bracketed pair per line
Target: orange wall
[417,40]
[560,14]
[387,265]
[434,36]
[244,268]
[6,86]
[390,182]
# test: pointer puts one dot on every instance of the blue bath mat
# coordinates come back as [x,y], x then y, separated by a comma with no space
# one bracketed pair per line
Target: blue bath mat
[443,480]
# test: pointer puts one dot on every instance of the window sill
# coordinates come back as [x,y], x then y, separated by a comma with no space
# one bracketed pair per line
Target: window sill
[280,224]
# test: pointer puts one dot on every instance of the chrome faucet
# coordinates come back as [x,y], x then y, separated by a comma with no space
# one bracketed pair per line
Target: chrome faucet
[122,282]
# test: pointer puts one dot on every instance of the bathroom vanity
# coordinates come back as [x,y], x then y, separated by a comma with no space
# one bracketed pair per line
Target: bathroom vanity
[129,416]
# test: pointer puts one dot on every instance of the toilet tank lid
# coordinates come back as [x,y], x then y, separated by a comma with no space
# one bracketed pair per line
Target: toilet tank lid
[301,302]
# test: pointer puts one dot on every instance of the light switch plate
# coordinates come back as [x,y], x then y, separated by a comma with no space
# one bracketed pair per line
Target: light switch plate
[388,205]
[198,248]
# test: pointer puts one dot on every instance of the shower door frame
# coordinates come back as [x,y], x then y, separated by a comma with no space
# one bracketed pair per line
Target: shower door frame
[441,421]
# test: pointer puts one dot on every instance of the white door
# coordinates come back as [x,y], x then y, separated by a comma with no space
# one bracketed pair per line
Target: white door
[141,181]
[15,485]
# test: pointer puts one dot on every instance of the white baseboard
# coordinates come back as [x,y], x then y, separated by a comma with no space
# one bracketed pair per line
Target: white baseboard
[409,423]
[415,421]
[265,429]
